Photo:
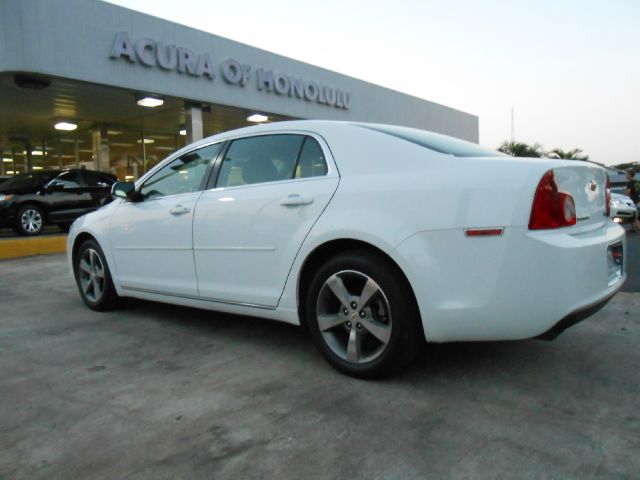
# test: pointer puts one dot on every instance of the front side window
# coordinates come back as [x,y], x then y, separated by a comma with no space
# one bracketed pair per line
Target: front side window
[182,175]
[95,180]
[70,180]
[266,158]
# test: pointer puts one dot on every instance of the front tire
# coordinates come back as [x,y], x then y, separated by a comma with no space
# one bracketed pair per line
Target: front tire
[362,315]
[29,220]
[94,278]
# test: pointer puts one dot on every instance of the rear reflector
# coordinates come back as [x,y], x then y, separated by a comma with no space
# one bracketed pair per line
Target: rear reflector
[483,232]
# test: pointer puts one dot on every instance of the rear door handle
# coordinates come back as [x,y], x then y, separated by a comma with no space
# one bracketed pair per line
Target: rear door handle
[179,210]
[295,200]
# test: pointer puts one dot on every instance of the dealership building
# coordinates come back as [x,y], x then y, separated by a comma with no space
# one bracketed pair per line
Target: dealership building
[84,83]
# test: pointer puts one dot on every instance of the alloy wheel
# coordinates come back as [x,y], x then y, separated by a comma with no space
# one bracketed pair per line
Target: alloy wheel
[354,316]
[31,220]
[91,273]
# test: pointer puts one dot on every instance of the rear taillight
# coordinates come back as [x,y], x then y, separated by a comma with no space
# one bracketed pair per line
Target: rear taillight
[607,197]
[551,208]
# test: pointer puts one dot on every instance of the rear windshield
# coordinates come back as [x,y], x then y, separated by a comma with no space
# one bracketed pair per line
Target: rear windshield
[28,180]
[435,141]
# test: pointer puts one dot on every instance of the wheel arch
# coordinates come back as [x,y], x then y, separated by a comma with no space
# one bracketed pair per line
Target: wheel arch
[79,240]
[331,248]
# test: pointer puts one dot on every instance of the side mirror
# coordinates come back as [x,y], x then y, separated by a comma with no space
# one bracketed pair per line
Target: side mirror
[124,190]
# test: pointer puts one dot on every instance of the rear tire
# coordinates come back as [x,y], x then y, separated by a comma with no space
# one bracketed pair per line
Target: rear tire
[94,278]
[362,315]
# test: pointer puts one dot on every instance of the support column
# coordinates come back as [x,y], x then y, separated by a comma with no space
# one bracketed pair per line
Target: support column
[100,144]
[193,124]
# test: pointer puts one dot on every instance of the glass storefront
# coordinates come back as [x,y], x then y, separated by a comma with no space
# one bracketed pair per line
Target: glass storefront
[126,153]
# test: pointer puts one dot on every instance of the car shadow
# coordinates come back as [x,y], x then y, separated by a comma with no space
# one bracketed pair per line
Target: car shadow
[469,359]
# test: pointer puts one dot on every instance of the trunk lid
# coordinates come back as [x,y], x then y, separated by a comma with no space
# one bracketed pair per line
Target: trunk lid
[587,184]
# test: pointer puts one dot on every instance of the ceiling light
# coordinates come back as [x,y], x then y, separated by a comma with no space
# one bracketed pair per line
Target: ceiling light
[7,160]
[128,177]
[37,152]
[10,172]
[66,126]
[147,140]
[257,118]
[149,101]
[114,132]
[36,167]
[183,132]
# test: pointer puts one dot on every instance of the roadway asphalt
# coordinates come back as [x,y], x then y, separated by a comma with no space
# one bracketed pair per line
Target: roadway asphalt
[156,391]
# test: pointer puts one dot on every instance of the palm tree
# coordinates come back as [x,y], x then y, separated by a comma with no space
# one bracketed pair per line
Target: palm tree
[519,149]
[574,154]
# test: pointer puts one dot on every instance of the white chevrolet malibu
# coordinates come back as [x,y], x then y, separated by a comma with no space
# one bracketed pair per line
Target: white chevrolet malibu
[373,237]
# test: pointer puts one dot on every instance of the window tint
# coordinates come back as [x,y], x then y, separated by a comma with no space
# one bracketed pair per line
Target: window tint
[95,180]
[70,180]
[183,175]
[311,162]
[267,158]
[435,141]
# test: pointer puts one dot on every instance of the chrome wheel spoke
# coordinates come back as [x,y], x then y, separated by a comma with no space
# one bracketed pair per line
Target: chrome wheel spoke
[87,286]
[96,288]
[353,347]
[380,330]
[336,285]
[84,266]
[327,322]
[369,290]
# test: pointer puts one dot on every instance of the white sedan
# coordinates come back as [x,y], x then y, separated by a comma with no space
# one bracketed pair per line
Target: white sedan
[374,237]
[622,208]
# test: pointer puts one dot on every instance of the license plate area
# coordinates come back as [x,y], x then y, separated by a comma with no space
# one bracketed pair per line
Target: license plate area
[615,261]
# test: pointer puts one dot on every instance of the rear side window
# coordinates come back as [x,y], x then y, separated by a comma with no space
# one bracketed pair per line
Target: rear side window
[266,158]
[311,162]
[270,158]
[435,141]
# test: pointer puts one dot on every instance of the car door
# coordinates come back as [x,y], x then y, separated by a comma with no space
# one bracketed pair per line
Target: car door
[269,192]
[67,197]
[151,239]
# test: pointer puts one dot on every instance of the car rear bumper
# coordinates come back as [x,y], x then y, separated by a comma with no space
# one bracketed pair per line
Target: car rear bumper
[514,286]
[574,317]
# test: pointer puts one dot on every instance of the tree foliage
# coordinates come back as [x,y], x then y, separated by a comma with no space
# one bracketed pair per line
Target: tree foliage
[574,154]
[519,149]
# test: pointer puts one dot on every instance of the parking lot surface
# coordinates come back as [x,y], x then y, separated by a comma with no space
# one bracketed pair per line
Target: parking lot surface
[156,391]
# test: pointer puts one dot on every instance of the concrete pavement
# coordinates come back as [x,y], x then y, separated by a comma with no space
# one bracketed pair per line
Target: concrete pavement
[156,391]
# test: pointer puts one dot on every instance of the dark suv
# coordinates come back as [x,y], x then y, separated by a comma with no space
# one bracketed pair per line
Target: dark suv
[31,200]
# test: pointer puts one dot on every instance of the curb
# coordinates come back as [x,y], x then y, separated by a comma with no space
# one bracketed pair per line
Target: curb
[25,247]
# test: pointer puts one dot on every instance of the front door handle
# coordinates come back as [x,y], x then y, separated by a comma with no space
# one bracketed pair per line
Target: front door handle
[295,200]
[179,210]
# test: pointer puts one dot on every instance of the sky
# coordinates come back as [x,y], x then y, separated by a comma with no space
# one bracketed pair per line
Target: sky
[569,69]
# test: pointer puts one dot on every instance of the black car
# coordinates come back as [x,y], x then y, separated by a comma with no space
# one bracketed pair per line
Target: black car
[30,201]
